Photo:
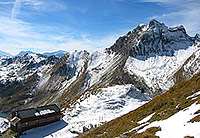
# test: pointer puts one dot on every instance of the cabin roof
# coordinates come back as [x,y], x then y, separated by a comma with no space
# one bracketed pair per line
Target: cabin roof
[2,115]
[39,111]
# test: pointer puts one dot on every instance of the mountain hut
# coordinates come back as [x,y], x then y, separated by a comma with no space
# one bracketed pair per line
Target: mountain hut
[26,119]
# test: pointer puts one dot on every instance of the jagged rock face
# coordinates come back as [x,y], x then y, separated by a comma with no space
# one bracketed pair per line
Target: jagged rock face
[189,68]
[108,69]
[65,69]
[155,53]
[151,40]
[64,80]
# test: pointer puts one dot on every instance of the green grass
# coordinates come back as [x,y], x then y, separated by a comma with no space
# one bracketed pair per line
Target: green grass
[149,133]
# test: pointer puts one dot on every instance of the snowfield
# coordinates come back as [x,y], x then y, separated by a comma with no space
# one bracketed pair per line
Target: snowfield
[101,63]
[157,71]
[92,111]
[4,125]
[178,125]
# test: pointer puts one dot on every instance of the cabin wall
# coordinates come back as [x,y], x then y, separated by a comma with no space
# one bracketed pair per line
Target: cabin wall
[13,128]
[16,128]
[36,122]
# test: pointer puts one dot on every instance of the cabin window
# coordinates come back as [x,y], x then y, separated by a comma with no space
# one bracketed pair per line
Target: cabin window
[37,121]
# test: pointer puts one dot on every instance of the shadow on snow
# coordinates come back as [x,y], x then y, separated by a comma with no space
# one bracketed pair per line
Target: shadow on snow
[45,130]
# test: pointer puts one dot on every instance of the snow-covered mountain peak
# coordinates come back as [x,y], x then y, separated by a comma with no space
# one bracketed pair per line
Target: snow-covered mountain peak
[79,54]
[58,53]
[25,52]
[155,23]
[177,28]
[154,39]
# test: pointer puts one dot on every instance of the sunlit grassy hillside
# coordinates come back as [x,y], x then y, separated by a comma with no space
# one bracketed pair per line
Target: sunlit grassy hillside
[164,106]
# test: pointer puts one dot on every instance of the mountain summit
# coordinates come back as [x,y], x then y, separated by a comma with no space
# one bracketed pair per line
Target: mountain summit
[153,39]
[25,52]
[58,53]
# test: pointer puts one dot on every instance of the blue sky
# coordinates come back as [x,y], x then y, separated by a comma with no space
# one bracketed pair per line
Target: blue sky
[50,25]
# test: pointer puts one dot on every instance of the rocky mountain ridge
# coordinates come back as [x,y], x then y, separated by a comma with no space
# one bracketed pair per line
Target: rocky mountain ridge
[153,39]
[148,57]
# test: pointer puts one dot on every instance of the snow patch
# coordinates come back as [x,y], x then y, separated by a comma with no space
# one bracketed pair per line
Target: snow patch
[108,104]
[178,125]
[146,118]
[93,110]
[144,27]
[4,125]
[194,95]
[157,71]
[44,112]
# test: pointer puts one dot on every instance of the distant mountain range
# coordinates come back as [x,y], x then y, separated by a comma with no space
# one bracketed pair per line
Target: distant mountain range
[2,53]
[25,52]
[58,53]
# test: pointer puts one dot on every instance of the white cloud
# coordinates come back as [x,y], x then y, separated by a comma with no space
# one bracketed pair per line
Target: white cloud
[39,5]
[15,9]
[154,0]
[11,26]
[17,28]
[20,35]
[49,5]
[6,3]
[88,44]
[14,45]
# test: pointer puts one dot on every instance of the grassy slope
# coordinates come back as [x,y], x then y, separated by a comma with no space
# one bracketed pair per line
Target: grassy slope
[163,106]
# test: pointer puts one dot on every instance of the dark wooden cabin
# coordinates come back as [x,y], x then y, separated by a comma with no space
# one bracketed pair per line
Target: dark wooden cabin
[26,119]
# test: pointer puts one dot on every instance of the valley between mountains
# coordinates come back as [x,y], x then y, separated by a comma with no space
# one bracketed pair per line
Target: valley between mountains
[138,87]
